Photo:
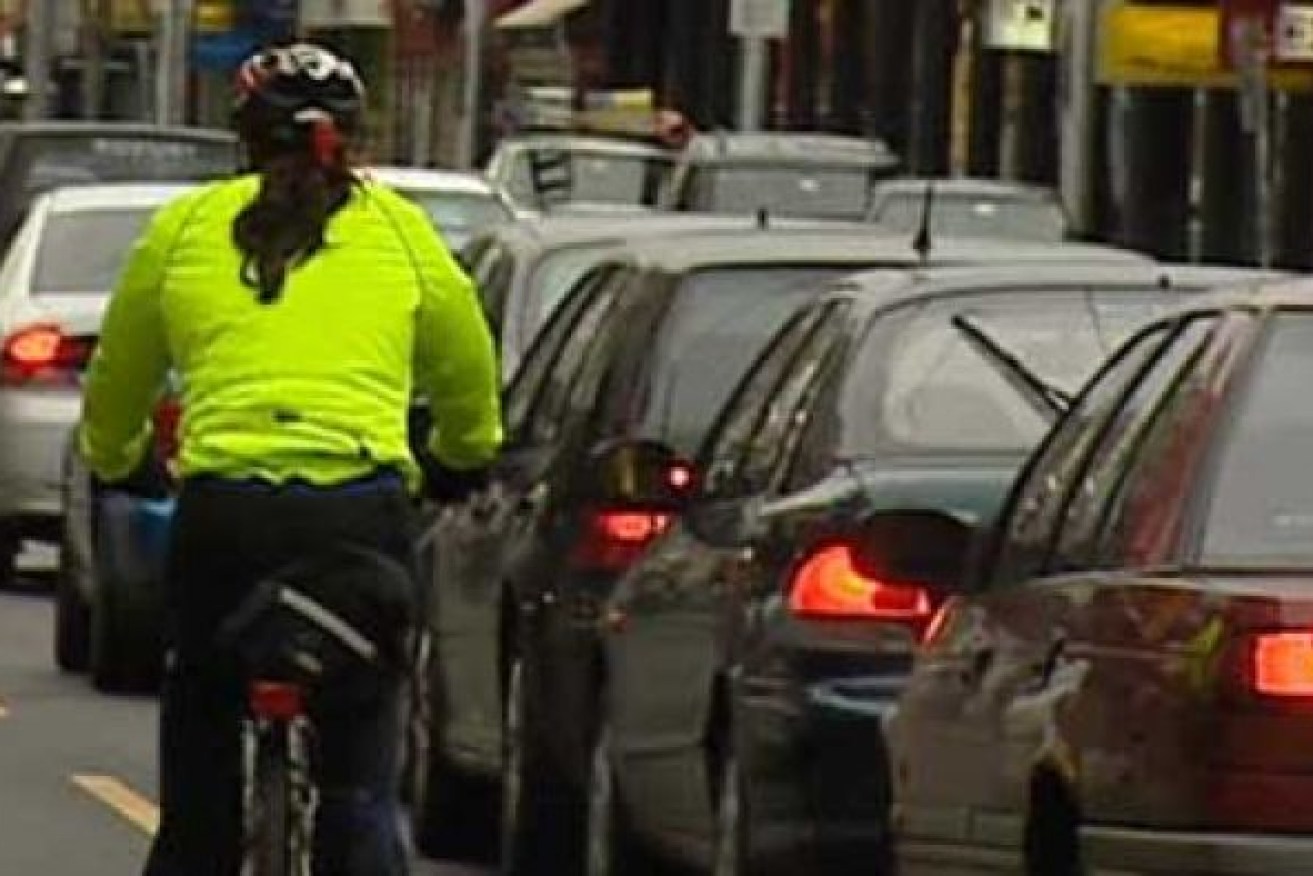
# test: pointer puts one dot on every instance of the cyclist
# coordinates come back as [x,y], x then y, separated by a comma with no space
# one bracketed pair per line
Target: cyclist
[295,304]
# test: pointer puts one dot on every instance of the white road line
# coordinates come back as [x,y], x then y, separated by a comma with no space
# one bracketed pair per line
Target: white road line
[127,803]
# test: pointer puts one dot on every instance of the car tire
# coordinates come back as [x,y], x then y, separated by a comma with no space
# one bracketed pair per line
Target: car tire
[124,658]
[1052,834]
[538,833]
[72,616]
[612,847]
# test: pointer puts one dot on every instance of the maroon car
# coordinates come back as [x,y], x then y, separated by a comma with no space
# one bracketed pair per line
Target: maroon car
[1127,684]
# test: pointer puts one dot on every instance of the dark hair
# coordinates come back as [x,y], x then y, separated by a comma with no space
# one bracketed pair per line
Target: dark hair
[299,192]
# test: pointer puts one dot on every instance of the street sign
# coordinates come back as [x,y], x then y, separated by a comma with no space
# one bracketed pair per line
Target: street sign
[1021,25]
[759,19]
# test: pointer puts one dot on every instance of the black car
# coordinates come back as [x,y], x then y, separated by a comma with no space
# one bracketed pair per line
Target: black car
[641,355]
[753,652]
[819,176]
[38,156]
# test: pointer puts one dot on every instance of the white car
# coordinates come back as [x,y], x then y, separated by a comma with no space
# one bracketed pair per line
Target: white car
[55,281]
[460,204]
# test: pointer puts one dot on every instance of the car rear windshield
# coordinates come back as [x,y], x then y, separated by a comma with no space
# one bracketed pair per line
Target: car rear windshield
[801,191]
[1262,494]
[83,251]
[556,274]
[921,384]
[459,214]
[957,215]
[48,161]
[595,177]
[717,325]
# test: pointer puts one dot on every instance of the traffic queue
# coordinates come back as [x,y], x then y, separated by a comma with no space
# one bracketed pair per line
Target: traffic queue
[844,522]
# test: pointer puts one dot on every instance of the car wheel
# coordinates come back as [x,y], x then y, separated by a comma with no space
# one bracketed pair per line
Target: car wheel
[731,856]
[612,848]
[123,656]
[536,828]
[72,615]
[1052,834]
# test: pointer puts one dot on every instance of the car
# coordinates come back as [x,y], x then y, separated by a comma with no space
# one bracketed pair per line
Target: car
[645,349]
[38,156]
[460,204]
[54,285]
[1125,682]
[523,270]
[820,176]
[750,656]
[971,208]
[540,171]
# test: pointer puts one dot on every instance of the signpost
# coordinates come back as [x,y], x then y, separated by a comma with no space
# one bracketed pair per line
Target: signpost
[755,23]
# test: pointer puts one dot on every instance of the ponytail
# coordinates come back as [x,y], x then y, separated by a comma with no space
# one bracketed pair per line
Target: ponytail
[284,226]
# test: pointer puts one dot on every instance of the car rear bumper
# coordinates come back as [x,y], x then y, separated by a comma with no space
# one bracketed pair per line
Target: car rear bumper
[1183,853]
[37,426]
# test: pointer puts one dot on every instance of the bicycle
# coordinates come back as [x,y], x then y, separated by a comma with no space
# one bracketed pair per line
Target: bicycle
[300,648]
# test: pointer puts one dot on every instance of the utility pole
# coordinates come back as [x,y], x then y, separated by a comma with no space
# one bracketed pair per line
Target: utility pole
[755,23]
[36,58]
[475,19]
[173,29]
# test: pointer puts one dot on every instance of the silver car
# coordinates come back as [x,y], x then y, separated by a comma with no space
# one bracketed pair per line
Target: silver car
[460,204]
[54,283]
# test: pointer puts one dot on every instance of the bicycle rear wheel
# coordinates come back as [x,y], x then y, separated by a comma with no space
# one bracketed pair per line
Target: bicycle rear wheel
[271,829]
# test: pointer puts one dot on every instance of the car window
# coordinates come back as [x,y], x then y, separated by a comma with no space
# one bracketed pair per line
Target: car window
[555,274]
[1117,443]
[492,268]
[459,214]
[721,455]
[715,327]
[937,391]
[1261,508]
[537,363]
[594,177]
[962,215]
[1143,520]
[45,161]
[83,252]
[814,191]
[549,412]
[1032,515]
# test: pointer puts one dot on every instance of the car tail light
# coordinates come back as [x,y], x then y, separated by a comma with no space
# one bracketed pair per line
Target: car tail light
[612,539]
[1283,664]
[828,585]
[44,354]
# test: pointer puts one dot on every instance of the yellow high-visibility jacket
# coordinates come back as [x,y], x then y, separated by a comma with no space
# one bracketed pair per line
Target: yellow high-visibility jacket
[315,386]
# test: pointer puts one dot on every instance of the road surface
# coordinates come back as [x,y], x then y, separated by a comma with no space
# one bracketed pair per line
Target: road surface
[77,769]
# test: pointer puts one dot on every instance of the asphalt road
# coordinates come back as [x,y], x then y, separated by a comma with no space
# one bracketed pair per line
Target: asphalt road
[77,769]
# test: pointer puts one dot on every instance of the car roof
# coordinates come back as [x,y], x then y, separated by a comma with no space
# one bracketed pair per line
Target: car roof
[679,252]
[586,143]
[964,187]
[789,148]
[551,230]
[133,129]
[429,179]
[882,289]
[101,196]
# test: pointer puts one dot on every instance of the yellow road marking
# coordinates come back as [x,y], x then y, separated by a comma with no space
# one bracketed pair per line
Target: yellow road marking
[126,802]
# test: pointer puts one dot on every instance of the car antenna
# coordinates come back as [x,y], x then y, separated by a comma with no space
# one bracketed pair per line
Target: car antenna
[763,218]
[923,243]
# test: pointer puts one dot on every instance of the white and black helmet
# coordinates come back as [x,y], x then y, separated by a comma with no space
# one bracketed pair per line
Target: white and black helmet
[299,82]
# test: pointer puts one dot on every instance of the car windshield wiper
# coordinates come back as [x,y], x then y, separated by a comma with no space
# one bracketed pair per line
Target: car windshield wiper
[1050,401]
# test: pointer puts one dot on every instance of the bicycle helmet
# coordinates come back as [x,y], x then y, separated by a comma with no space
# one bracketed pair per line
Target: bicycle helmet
[297,95]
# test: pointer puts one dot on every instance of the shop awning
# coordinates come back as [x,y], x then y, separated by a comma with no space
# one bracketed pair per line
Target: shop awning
[539,13]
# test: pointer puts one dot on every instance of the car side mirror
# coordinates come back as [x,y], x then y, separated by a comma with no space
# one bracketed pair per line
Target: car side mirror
[645,473]
[925,547]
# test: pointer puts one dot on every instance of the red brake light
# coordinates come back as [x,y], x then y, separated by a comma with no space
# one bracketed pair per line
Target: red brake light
[44,353]
[613,540]
[828,585]
[1283,664]
[276,701]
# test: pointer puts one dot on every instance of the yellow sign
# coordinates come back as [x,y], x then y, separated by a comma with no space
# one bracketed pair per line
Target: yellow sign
[1172,46]
[137,16]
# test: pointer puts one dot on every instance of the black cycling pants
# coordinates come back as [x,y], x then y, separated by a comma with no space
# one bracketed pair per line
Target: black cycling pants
[227,537]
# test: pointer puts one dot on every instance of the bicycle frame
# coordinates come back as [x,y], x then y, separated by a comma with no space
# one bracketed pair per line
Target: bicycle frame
[279,797]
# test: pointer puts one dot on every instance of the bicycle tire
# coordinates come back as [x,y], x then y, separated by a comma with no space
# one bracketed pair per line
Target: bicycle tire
[270,851]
